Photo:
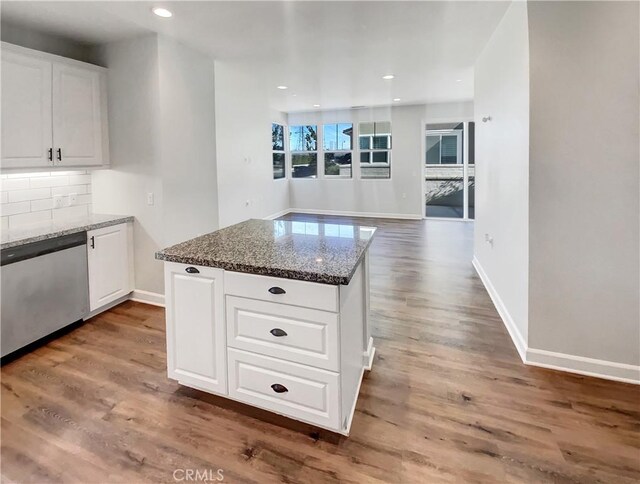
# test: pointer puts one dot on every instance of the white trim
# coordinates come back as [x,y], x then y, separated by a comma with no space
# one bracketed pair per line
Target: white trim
[347,428]
[369,354]
[107,306]
[581,365]
[608,370]
[147,297]
[277,214]
[404,216]
[514,332]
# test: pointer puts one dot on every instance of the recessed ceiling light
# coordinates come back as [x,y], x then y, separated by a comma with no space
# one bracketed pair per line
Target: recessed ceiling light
[388,76]
[458,80]
[396,99]
[316,105]
[162,12]
[283,87]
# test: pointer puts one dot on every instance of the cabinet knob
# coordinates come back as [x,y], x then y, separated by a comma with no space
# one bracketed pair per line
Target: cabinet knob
[278,332]
[277,290]
[192,270]
[279,388]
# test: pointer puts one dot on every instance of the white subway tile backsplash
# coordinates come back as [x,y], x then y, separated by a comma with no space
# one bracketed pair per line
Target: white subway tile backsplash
[4,223]
[79,179]
[51,181]
[70,212]
[79,189]
[14,208]
[14,184]
[30,218]
[37,205]
[28,198]
[31,194]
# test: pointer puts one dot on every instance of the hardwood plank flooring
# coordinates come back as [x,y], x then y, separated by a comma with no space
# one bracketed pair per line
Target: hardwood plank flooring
[448,399]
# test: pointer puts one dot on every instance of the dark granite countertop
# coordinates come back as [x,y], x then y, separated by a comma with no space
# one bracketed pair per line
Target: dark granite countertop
[308,251]
[49,230]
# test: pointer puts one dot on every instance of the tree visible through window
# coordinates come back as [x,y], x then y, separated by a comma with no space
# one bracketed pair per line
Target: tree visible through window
[337,146]
[278,153]
[303,144]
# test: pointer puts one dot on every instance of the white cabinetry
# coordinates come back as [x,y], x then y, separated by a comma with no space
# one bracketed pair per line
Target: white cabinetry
[110,264]
[296,348]
[53,111]
[196,347]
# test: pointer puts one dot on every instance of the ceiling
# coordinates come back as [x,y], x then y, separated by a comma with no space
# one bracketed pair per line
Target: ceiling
[327,52]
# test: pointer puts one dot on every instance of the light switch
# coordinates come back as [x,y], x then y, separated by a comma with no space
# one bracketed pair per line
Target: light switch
[150,200]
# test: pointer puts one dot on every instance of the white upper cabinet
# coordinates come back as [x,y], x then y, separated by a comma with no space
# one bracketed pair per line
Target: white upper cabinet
[77,120]
[26,111]
[53,111]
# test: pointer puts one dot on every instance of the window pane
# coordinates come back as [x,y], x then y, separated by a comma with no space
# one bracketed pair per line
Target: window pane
[303,138]
[379,167]
[278,165]
[450,149]
[337,164]
[365,157]
[365,142]
[337,136]
[433,150]
[304,165]
[277,137]
[381,142]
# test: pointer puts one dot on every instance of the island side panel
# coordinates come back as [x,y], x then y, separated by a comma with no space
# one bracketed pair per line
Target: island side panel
[352,329]
[369,349]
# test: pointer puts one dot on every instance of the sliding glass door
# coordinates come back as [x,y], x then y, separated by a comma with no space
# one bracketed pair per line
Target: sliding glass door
[449,171]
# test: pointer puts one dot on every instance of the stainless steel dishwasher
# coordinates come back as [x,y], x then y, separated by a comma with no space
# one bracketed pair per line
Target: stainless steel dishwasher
[45,287]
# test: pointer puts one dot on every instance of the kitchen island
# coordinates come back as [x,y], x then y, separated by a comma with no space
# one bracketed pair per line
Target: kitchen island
[274,314]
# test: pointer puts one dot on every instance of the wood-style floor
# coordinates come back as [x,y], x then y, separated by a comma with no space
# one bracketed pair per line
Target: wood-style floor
[448,399]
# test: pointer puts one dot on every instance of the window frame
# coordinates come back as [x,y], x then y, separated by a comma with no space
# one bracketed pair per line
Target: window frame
[304,152]
[370,151]
[351,151]
[283,152]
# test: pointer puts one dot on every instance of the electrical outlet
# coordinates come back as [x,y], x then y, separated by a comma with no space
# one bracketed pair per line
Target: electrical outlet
[58,201]
[73,199]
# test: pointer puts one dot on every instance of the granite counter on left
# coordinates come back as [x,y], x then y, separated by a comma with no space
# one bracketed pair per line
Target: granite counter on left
[34,233]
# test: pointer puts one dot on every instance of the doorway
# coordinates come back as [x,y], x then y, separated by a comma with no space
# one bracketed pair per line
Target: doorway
[449,182]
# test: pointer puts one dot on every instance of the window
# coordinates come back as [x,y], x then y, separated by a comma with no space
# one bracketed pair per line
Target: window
[375,149]
[337,145]
[278,154]
[303,144]
[444,147]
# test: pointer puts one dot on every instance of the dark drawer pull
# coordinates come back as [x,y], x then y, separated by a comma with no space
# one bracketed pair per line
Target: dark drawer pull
[279,388]
[277,290]
[278,332]
[192,270]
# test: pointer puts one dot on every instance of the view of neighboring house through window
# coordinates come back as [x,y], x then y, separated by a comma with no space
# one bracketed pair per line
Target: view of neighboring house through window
[303,144]
[449,171]
[375,149]
[278,153]
[337,146]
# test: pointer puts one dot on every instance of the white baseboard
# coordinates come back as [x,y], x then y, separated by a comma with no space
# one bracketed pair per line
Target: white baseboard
[581,365]
[106,307]
[277,214]
[514,332]
[584,366]
[404,216]
[147,297]
[369,354]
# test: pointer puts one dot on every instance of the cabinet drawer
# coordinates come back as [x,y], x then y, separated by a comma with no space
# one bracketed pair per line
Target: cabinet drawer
[302,335]
[290,389]
[286,291]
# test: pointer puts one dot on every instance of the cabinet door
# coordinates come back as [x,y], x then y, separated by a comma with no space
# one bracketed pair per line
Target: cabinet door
[196,344]
[109,268]
[77,117]
[26,111]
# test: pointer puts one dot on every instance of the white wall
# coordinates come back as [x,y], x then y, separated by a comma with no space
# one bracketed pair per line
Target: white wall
[584,185]
[502,169]
[246,187]
[161,122]
[399,196]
